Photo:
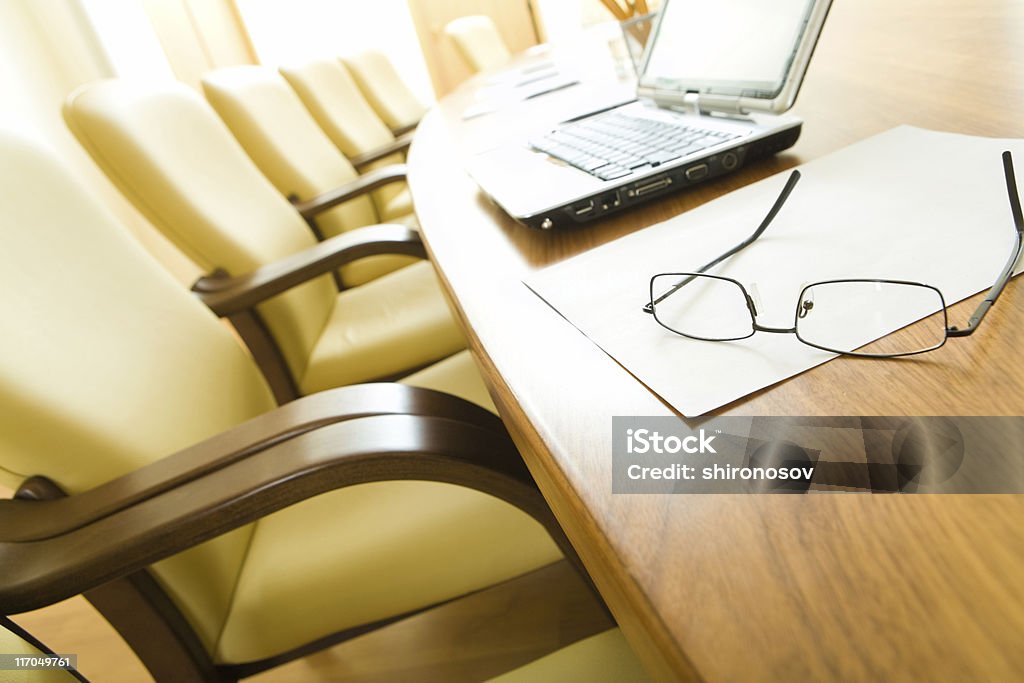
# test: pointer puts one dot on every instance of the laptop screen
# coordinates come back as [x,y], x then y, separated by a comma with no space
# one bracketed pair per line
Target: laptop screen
[726,46]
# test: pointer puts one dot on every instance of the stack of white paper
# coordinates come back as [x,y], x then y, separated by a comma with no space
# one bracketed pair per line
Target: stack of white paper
[907,204]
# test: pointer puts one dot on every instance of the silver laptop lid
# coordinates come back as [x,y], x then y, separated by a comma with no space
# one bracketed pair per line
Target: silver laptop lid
[734,56]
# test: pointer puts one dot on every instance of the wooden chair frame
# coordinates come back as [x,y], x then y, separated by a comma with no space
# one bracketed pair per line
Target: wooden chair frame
[403,139]
[99,542]
[236,297]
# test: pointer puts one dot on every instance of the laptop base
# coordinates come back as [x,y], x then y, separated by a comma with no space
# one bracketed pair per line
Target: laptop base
[618,197]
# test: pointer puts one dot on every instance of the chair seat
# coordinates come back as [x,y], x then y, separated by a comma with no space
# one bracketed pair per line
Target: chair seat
[456,375]
[605,657]
[372,267]
[404,544]
[369,552]
[383,328]
[397,207]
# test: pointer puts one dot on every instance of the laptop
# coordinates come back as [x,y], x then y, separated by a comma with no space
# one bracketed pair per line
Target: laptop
[714,81]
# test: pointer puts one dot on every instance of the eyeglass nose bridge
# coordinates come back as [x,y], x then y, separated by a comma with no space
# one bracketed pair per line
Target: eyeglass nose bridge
[753,297]
[774,330]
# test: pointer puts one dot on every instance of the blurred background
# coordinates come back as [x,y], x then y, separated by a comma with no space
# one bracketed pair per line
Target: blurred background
[50,47]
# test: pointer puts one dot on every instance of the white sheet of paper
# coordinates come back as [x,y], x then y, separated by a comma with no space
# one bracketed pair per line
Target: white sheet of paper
[908,204]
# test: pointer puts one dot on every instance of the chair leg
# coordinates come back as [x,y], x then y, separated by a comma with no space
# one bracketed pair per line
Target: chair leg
[265,352]
[140,611]
[572,557]
[319,234]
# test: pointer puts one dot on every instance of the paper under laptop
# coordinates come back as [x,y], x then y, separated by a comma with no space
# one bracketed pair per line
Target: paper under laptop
[713,78]
[887,207]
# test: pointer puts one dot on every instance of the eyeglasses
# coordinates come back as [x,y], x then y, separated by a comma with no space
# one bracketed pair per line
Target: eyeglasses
[852,317]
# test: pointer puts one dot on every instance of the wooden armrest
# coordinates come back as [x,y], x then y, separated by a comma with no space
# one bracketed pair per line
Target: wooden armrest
[364,450]
[400,144]
[407,129]
[226,295]
[21,520]
[378,177]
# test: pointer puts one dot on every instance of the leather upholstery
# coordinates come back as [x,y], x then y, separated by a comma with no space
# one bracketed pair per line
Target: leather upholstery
[275,129]
[394,323]
[375,75]
[168,152]
[371,552]
[456,375]
[106,365]
[478,42]
[338,106]
[175,160]
[604,658]
[397,207]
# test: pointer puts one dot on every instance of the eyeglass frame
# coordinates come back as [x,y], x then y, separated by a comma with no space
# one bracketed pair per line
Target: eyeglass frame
[972,325]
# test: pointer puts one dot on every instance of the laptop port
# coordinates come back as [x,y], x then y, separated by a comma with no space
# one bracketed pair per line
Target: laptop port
[697,172]
[583,208]
[609,200]
[640,189]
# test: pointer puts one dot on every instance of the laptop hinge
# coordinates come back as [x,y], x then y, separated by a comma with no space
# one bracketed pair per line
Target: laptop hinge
[696,103]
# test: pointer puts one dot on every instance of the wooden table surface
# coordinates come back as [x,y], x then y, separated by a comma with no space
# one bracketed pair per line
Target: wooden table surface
[724,588]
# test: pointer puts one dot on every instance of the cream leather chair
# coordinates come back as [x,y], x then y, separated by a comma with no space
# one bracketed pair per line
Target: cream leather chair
[167,151]
[279,134]
[389,96]
[478,42]
[336,103]
[604,658]
[212,529]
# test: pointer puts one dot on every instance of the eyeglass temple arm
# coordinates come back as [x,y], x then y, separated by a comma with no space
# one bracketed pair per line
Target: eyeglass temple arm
[794,177]
[1004,277]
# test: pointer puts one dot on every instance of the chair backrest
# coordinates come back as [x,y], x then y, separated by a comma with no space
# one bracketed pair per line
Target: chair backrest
[169,153]
[106,364]
[384,89]
[339,107]
[477,39]
[280,135]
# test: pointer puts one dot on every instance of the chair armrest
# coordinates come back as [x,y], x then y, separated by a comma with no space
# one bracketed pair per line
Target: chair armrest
[364,450]
[378,177]
[400,144]
[407,129]
[22,521]
[226,295]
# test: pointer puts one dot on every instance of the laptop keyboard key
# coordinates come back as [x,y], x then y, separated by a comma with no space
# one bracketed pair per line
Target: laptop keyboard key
[659,157]
[592,164]
[613,144]
[611,172]
[708,140]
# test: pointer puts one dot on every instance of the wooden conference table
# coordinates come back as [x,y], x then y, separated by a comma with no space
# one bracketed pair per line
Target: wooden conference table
[725,588]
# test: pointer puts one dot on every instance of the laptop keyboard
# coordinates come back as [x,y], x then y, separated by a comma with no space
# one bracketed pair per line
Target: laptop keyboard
[614,145]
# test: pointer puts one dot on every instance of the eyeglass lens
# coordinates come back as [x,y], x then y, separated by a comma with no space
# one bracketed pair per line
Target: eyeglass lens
[705,307]
[857,316]
[848,316]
